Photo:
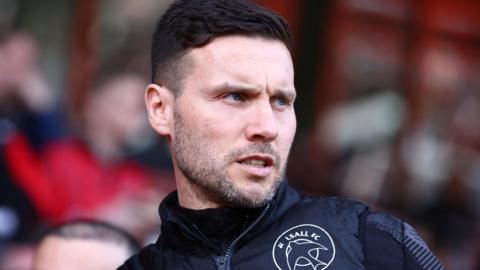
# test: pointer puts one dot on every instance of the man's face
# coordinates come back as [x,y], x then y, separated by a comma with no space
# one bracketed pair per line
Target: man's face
[234,121]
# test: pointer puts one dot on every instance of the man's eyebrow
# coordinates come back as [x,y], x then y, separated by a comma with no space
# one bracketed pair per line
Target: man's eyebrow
[240,87]
[234,87]
[289,93]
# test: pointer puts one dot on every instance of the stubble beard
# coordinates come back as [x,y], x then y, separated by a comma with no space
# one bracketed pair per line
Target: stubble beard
[203,167]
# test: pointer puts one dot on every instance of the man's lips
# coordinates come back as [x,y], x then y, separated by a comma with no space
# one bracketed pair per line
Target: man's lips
[259,165]
[258,160]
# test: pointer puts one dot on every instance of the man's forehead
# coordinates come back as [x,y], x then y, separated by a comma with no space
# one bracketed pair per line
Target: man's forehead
[239,60]
[232,45]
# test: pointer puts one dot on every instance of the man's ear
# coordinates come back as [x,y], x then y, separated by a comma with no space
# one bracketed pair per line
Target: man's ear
[159,101]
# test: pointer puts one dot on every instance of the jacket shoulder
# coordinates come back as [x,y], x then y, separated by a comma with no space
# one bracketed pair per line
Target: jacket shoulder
[387,242]
[397,243]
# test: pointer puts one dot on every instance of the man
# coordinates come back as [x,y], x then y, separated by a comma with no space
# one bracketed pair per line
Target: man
[223,95]
[83,244]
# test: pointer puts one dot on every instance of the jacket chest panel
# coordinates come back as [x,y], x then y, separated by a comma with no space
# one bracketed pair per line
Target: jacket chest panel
[301,242]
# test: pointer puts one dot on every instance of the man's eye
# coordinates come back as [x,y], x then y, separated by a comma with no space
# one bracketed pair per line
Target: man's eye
[281,102]
[235,97]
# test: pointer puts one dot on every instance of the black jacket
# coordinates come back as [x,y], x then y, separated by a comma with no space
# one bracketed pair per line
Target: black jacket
[290,232]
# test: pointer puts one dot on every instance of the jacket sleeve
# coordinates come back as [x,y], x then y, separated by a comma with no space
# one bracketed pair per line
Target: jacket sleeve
[389,243]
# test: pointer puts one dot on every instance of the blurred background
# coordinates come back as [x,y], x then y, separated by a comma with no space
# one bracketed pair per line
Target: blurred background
[388,113]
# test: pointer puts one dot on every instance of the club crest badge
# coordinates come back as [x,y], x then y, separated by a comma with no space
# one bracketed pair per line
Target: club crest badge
[304,247]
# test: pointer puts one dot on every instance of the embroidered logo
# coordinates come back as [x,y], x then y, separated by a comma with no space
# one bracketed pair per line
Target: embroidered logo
[304,247]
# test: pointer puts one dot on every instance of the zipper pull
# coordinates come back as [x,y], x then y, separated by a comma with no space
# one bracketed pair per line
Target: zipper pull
[222,262]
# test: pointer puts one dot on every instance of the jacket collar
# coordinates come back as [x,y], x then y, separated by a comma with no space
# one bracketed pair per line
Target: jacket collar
[180,232]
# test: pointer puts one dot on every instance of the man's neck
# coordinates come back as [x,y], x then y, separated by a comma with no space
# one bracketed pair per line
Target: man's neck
[191,196]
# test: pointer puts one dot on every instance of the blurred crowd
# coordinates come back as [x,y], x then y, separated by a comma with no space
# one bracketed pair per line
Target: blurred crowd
[388,114]
[54,172]
[64,159]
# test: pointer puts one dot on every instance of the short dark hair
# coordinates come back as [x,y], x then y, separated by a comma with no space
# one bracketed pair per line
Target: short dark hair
[194,23]
[93,230]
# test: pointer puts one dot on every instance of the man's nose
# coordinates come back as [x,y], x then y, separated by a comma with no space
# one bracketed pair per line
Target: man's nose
[262,123]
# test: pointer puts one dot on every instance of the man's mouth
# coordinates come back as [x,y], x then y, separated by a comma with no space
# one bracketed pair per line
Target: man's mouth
[259,165]
[254,162]
[260,161]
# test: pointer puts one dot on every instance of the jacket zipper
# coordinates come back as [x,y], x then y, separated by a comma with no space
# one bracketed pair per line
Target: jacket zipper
[223,262]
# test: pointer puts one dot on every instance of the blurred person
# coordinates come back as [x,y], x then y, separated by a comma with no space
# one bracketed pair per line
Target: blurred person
[83,244]
[223,94]
[86,174]
[18,216]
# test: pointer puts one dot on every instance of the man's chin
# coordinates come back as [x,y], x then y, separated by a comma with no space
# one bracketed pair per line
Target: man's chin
[253,196]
